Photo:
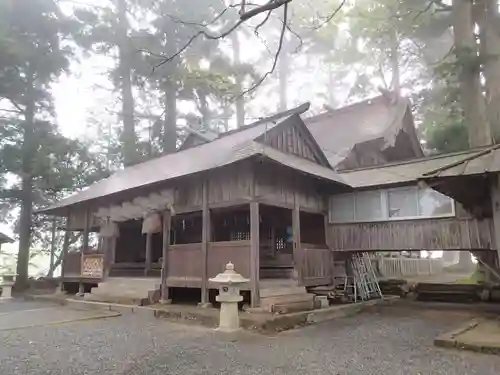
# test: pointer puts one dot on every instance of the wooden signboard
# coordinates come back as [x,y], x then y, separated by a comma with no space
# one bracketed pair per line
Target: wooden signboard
[92,266]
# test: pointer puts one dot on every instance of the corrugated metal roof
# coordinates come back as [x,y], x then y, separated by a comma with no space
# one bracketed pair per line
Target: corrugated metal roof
[338,131]
[220,152]
[401,172]
[478,162]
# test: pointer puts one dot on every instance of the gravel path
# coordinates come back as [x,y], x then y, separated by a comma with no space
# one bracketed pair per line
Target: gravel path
[385,342]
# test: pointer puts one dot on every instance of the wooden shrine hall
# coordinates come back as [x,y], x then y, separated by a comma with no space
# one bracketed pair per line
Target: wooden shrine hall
[255,197]
[280,198]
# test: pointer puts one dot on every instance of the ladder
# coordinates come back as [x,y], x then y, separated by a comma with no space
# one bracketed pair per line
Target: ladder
[365,279]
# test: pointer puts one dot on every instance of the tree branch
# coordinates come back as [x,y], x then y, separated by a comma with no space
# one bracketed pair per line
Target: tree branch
[269,6]
[256,30]
[330,17]
[276,56]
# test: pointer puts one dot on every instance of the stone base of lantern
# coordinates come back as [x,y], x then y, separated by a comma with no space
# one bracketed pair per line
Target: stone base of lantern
[6,290]
[229,320]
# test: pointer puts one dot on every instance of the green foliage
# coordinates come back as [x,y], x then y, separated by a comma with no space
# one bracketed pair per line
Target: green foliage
[37,164]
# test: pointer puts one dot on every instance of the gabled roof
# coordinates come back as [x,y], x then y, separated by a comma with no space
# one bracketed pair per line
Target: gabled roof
[225,150]
[4,238]
[338,131]
[402,172]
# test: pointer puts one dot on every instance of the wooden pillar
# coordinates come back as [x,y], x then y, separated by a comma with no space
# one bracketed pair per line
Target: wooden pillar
[297,250]
[495,205]
[205,239]
[65,251]
[112,245]
[149,253]
[254,253]
[52,247]
[167,219]
[86,232]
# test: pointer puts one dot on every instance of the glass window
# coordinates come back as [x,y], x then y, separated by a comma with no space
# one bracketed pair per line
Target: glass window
[342,208]
[433,203]
[402,202]
[369,206]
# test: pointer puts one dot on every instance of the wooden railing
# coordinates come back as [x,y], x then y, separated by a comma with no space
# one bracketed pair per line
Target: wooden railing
[316,265]
[435,234]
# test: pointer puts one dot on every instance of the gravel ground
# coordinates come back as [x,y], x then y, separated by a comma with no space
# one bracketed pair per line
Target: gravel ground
[387,341]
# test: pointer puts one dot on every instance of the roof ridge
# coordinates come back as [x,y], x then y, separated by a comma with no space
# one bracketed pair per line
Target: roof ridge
[352,106]
[297,110]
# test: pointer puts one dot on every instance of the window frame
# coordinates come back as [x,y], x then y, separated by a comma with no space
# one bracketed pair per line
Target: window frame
[384,201]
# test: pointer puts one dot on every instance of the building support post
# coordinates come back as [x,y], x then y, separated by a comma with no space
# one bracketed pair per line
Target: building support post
[149,253]
[297,250]
[205,239]
[167,220]
[65,250]
[495,208]
[254,253]
[86,232]
[52,247]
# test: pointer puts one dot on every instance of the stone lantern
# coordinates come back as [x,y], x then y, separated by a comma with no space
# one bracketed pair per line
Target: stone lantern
[229,295]
[6,283]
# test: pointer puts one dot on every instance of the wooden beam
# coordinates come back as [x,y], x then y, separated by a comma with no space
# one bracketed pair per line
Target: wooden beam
[495,208]
[65,251]
[254,253]
[167,221]
[86,231]
[52,246]
[149,253]
[297,250]
[205,239]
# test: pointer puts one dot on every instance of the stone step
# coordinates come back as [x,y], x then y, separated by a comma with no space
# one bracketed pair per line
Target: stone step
[137,291]
[282,302]
[276,273]
[282,291]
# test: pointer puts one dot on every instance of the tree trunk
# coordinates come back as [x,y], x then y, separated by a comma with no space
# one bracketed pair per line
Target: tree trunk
[128,137]
[471,98]
[240,100]
[170,122]
[283,73]
[331,88]
[28,156]
[489,33]
[394,59]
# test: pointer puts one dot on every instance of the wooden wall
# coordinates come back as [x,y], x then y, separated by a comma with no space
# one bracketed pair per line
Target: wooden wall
[226,185]
[290,140]
[280,186]
[184,265]
[77,220]
[316,265]
[422,234]
[230,184]
[185,262]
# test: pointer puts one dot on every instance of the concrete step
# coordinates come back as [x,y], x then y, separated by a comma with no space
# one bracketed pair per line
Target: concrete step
[278,304]
[137,291]
[282,291]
